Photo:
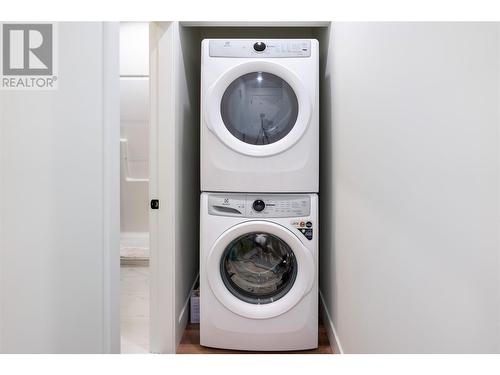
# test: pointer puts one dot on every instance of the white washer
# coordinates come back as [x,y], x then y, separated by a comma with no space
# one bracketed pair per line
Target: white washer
[259,271]
[259,115]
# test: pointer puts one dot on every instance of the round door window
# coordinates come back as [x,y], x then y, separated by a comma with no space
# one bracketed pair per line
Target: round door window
[259,108]
[258,268]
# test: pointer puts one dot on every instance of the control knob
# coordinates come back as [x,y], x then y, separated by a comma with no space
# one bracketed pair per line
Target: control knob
[259,205]
[259,46]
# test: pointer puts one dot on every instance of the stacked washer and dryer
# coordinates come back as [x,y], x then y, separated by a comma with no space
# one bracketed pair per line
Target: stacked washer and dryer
[259,204]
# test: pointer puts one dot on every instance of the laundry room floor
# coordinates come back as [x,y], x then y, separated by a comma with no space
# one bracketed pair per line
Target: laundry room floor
[190,344]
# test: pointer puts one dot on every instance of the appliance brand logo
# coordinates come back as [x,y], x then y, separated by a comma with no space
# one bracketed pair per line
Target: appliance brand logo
[28,56]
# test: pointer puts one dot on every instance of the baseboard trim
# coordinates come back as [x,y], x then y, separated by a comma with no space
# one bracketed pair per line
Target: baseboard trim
[330,328]
[183,316]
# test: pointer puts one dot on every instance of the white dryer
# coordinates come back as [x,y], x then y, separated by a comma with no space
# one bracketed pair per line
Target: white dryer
[259,115]
[259,271]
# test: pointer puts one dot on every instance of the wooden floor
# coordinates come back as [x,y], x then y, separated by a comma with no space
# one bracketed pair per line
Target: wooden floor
[190,344]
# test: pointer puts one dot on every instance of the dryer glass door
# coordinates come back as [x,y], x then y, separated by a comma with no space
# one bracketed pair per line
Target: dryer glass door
[258,268]
[259,108]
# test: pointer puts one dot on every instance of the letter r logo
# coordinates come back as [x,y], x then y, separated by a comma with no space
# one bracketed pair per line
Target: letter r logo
[27,49]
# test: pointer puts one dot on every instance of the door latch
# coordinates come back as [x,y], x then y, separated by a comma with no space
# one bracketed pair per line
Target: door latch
[155,204]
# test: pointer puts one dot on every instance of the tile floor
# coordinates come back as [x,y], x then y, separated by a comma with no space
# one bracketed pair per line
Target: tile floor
[134,309]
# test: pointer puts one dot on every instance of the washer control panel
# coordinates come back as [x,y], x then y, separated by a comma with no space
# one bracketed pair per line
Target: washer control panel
[259,206]
[259,48]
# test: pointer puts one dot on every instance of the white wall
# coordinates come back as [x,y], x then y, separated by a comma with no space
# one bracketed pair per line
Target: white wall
[59,203]
[409,187]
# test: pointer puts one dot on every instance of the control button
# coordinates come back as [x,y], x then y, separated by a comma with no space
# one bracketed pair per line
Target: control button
[259,205]
[259,46]
[308,233]
[302,224]
[309,224]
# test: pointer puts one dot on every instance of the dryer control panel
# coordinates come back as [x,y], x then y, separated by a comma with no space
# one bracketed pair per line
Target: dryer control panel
[260,48]
[259,205]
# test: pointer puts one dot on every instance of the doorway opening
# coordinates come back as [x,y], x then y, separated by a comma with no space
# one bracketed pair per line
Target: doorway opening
[134,187]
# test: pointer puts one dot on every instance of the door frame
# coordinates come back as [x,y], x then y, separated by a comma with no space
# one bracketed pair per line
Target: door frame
[111,187]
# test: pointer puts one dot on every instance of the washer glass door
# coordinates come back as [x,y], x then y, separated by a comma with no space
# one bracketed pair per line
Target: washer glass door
[259,108]
[258,268]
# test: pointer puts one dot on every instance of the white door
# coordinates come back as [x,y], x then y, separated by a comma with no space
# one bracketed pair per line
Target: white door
[174,181]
